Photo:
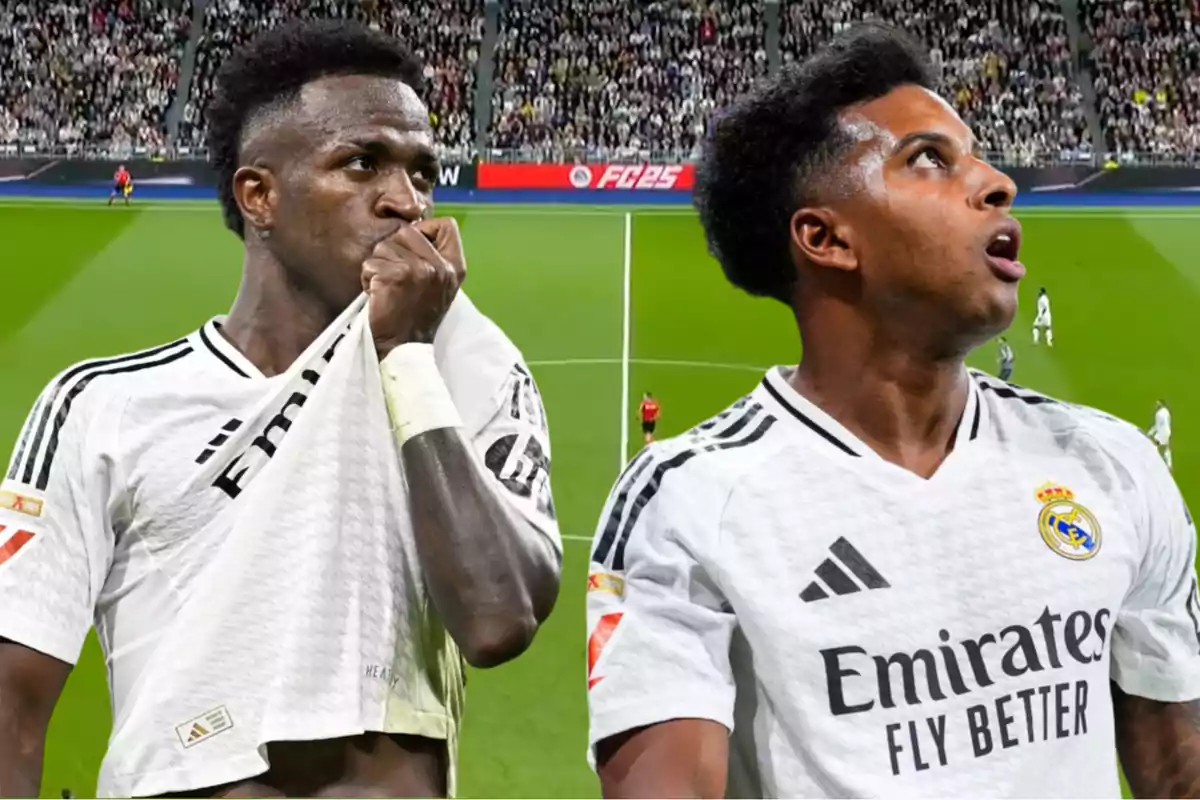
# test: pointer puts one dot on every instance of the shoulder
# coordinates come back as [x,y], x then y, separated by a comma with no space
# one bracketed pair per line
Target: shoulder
[87,399]
[679,486]
[1028,419]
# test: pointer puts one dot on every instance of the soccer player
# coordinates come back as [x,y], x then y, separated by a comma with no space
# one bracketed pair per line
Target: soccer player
[1160,431]
[122,185]
[1005,358]
[345,677]
[1041,322]
[881,574]
[649,411]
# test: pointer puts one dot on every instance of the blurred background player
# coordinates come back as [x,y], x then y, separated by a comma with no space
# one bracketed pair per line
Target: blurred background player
[650,410]
[1042,322]
[1005,358]
[1160,431]
[122,185]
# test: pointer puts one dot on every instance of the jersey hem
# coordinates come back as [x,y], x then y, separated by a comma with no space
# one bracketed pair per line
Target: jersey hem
[628,716]
[1156,684]
[37,639]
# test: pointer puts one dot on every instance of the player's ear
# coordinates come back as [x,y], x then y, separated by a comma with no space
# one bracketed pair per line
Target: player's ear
[254,190]
[822,238]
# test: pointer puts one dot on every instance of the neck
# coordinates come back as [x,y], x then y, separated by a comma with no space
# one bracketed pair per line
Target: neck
[273,318]
[904,404]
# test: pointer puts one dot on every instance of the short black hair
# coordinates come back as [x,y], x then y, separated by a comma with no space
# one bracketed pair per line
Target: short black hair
[274,66]
[772,150]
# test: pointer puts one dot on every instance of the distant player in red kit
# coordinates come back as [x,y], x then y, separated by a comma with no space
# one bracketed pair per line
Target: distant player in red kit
[650,409]
[122,185]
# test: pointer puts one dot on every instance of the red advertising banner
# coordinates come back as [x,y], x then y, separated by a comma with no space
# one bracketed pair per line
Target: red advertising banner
[645,177]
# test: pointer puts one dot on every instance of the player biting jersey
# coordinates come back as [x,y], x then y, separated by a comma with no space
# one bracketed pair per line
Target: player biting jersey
[317,650]
[882,574]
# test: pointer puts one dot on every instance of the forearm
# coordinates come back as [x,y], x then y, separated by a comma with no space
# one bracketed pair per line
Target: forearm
[492,576]
[1159,745]
[20,753]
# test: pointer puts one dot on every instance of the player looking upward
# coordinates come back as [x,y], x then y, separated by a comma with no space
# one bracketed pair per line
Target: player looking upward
[649,411]
[1005,358]
[1160,431]
[355,616]
[1041,322]
[122,185]
[881,574]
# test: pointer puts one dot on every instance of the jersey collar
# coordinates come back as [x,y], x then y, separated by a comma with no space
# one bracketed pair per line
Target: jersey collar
[777,391]
[215,344]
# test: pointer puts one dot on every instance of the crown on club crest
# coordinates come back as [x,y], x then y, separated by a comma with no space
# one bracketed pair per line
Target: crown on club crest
[1050,492]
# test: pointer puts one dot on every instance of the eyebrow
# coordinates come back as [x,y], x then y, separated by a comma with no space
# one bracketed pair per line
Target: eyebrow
[934,137]
[386,145]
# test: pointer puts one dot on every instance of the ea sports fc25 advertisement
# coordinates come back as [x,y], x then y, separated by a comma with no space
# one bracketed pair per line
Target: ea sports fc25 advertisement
[645,177]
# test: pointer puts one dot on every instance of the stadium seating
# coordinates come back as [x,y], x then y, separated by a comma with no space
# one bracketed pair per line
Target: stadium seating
[1004,63]
[97,72]
[1146,64]
[445,35]
[603,78]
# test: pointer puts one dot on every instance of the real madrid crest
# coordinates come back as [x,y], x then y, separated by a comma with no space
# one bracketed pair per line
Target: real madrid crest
[1067,527]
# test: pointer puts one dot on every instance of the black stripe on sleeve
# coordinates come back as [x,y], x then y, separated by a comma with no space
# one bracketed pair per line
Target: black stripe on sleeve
[47,411]
[64,410]
[642,461]
[975,423]
[26,436]
[1008,392]
[652,486]
[216,352]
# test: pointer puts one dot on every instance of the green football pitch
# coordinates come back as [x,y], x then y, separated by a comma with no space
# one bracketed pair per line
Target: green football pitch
[586,292]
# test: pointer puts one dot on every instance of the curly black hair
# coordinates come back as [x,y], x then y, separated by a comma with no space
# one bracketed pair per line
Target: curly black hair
[774,149]
[273,67]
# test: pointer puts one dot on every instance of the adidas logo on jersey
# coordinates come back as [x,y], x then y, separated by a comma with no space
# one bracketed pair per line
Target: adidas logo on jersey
[831,574]
[203,727]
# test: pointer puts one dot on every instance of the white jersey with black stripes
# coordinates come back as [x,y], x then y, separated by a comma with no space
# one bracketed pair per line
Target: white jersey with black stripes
[862,631]
[105,519]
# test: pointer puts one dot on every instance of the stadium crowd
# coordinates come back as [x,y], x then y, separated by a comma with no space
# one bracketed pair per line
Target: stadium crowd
[1146,71]
[1004,63]
[445,35]
[604,79]
[98,72]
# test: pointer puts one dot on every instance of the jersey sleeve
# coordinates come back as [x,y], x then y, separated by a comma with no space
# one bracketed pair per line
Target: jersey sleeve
[55,539]
[659,629]
[515,446]
[1156,639]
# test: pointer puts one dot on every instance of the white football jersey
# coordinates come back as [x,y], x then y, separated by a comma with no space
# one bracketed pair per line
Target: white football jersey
[218,641]
[1043,309]
[864,632]
[1161,432]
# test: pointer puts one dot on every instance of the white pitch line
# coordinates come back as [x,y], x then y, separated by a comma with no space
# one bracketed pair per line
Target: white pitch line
[653,362]
[570,538]
[625,326]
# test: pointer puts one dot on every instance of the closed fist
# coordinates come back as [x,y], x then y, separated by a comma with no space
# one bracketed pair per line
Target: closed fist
[411,279]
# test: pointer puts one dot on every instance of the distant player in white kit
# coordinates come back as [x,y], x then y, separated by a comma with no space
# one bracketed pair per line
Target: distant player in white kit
[881,574]
[1160,431]
[447,546]
[1042,322]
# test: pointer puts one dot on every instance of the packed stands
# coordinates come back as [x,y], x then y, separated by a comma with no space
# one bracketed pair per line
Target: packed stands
[97,72]
[445,34]
[1004,63]
[1146,65]
[607,79]
[604,78]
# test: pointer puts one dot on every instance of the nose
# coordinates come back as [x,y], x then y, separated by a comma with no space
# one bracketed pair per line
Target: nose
[996,190]
[401,200]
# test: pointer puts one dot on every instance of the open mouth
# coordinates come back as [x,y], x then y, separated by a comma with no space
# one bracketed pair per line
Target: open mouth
[1003,250]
